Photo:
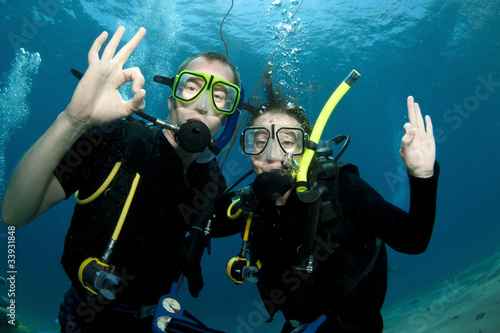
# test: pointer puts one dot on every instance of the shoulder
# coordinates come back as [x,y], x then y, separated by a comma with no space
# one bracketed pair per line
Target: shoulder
[347,169]
[112,134]
[136,129]
[350,185]
[121,140]
[135,139]
[337,172]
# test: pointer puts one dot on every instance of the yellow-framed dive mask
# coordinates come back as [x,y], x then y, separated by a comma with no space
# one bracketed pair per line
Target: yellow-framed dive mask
[198,87]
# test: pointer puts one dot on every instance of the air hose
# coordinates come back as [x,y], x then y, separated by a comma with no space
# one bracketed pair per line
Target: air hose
[97,275]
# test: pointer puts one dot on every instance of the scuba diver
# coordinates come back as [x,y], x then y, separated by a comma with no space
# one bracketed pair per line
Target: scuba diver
[315,233]
[144,199]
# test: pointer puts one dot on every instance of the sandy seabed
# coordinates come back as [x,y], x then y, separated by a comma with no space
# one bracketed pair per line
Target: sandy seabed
[466,303]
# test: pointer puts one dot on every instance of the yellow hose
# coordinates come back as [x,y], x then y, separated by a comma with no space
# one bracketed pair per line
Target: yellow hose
[230,208]
[101,189]
[126,207]
[247,227]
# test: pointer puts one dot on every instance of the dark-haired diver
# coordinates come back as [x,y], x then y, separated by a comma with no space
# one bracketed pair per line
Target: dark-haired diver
[317,248]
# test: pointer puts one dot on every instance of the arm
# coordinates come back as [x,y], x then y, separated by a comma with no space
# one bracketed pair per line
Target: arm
[418,150]
[407,232]
[96,100]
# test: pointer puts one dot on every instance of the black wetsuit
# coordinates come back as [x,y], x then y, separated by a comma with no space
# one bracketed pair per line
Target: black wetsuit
[349,280]
[148,253]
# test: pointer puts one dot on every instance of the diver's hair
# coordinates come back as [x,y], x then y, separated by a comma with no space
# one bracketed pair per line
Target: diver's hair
[212,56]
[281,106]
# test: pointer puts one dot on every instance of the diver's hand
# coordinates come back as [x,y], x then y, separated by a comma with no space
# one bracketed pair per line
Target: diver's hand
[418,148]
[96,99]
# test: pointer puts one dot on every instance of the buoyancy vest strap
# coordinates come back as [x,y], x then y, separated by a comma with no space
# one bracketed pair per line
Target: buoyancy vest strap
[101,189]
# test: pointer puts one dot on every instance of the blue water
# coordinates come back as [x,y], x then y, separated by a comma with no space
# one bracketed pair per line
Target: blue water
[445,53]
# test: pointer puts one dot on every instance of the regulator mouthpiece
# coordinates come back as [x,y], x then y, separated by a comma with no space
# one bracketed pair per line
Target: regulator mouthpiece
[194,136]
[271,186]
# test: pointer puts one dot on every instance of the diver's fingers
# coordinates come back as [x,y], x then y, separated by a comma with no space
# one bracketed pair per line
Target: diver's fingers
[414,114]
[134,75]
[137,103]
[127,50]
[407,127]
[409,135]
[411,110]
[419,118]
[429,128]
[110,49]
[93,55]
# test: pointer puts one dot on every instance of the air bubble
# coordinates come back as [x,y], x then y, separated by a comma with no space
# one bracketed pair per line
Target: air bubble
[14,107]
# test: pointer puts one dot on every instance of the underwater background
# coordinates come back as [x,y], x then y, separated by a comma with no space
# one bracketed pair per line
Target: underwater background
[446,53]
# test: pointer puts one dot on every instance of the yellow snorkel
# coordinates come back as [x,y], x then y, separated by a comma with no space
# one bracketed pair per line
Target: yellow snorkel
[302,184]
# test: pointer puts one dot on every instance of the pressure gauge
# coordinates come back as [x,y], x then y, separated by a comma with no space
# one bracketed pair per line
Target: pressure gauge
[169,307]
[162,323]
[171,304]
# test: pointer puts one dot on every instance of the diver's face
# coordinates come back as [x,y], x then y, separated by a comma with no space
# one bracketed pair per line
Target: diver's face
[271,157]
[202,109]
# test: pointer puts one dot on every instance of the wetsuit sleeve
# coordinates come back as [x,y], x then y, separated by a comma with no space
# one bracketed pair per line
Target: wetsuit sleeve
[404,232]
[90,154]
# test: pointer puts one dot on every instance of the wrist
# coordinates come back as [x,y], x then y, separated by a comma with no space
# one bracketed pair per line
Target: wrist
[77,125]
[422,173]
